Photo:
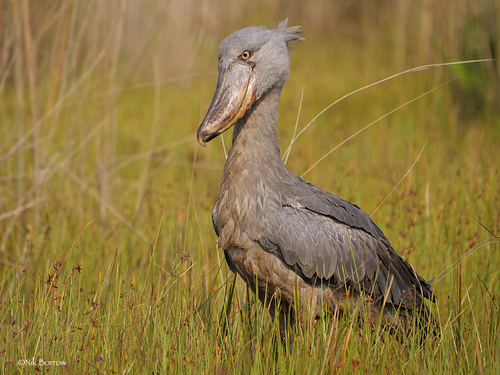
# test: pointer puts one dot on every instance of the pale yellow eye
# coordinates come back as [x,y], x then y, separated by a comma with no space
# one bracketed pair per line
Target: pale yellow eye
[246,55]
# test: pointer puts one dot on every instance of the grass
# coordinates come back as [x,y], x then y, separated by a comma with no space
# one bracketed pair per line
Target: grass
[108,257]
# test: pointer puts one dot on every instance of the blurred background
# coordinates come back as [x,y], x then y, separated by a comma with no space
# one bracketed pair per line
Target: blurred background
[108,255]
[100,102]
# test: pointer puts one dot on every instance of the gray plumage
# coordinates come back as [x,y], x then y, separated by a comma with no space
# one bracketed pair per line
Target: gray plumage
[278,230]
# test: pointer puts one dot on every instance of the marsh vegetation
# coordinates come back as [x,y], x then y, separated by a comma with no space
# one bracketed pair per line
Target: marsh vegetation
[108,257]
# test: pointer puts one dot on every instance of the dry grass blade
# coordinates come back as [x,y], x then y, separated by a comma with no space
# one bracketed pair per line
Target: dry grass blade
[400,181]
[22,208]
[346,343]
[327,350]
[417,69]
[460,260]
[484,226]
[152,139]
[53,110]
[142,155]
[30,62]
[106,205]
[223,146]
[289,149]
[374,122]
[463,258]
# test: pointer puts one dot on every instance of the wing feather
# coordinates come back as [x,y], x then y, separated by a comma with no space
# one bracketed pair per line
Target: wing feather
[319,246]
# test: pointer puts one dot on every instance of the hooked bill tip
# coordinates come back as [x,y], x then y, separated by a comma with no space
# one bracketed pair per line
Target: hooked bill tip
[201,141]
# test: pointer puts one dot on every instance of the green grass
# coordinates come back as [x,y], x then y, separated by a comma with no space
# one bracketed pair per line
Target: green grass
[108,257]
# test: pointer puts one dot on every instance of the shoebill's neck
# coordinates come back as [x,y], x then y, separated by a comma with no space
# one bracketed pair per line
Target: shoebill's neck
[255,138]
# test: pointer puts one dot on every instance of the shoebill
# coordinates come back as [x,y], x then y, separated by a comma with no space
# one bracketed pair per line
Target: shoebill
[288,239]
